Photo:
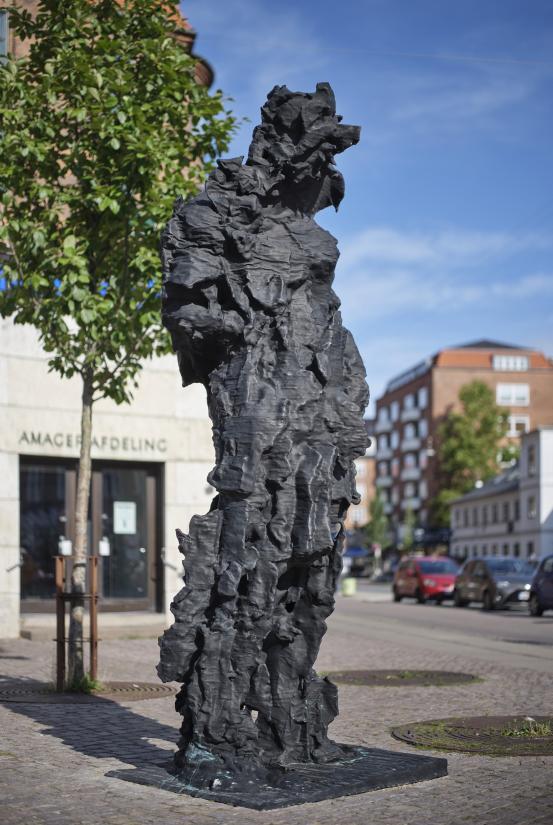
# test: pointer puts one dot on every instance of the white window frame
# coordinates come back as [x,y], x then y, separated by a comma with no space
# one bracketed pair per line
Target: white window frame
[510,363]
[423,428]
[422,397]
[394,440]
[409,401]
[383,414]
[512,395]
[394,410]
[518,419]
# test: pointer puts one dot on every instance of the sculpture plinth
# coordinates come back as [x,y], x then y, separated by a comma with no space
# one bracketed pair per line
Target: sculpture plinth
[248,301]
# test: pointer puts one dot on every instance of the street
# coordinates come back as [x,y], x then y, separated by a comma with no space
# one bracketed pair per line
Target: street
[510,637]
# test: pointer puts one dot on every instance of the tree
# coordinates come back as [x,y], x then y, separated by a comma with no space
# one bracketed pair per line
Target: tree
[469,446]
[408,540]
[377,528]
[101,128]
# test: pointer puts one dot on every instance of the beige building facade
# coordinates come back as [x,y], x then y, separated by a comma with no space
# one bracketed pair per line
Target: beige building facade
[150,466]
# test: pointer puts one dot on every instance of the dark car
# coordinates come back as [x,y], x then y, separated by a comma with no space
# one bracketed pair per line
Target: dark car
[541,590]
[425,577]
[494,581]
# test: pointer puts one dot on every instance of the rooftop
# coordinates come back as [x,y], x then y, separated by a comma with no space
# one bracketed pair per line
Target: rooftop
[502,483]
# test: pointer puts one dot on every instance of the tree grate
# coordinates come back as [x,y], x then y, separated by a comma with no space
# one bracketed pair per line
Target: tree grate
[401,678]
[486,735]
[45,693]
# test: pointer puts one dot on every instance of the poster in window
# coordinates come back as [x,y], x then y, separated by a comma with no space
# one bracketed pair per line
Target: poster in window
[124,518]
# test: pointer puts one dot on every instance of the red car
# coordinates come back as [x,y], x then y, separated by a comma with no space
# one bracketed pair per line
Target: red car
[425,577]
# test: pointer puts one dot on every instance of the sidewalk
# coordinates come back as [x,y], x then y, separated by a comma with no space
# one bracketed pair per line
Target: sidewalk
[54,759]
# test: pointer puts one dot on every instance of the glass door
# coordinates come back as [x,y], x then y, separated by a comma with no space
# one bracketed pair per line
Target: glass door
[124,516]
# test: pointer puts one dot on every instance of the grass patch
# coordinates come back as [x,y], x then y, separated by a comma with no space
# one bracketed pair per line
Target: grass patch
[84,685]
[528,727]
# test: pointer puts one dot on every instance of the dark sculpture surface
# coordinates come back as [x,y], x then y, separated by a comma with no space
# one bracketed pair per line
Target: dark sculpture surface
[248,301]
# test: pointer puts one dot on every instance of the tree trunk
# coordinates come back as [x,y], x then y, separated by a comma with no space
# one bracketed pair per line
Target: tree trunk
[78,578]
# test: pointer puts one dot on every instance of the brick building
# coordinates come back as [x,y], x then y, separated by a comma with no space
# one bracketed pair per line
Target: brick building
[415,402]
[358,514]
[183,32]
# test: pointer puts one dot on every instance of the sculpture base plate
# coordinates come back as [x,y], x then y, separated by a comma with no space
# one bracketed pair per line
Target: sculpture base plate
[362,770]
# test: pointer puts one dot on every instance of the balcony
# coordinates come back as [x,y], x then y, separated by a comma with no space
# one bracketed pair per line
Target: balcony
[384,481]
[383,426]
[409,444]
[411,415]
[383,452]
[411,503]
[411,474]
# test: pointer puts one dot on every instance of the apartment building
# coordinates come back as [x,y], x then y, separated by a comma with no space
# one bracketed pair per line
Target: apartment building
[414,403]
[512,514]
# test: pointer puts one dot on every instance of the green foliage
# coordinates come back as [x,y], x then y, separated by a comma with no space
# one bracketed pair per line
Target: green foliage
[409,529]
[377,528]
[86,684]
[469,446]
[101,128]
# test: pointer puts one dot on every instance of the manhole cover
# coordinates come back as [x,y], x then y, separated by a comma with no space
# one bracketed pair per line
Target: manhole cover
[43,692]
[401,678]
[488,735]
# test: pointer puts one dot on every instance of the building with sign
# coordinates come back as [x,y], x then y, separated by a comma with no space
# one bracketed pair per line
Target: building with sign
[415,402]
[150,466]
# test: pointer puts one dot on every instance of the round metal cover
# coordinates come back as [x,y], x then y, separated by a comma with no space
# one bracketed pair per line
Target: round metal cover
[44,693]
[401,678]
[486,735]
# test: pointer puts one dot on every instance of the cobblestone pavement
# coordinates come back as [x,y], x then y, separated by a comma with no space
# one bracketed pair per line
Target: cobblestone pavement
[54,758]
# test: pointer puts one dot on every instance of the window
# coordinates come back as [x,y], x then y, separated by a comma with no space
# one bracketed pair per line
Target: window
[465,517]
[517,510]
[409,490]
[409,402]
[457,516]
[505,511]
[395,495]
[409,431]
[518,424]
[484,549]
[423,397]
[531,454]
[3,33]
[409,460]
[510,363]
[382,442]
[532,512]
[505,549]
[382,469]
[395,467]
[394,440]
[516,395]
[383,414]
[530,549]
[484,515]
[395,410]
[423,491]
[423,428]
[494,513]
[516,549]
[494,549]
[475,516]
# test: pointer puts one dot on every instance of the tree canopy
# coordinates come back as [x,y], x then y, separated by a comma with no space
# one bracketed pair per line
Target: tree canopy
[470,443]
[102,126]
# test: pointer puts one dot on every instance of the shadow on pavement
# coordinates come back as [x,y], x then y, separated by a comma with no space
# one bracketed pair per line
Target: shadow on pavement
[103,729]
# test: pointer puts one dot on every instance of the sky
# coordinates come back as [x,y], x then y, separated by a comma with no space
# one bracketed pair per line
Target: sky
[446,228]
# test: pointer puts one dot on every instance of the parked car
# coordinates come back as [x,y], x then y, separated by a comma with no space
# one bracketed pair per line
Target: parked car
[541,589]
[493,581]
[425,577]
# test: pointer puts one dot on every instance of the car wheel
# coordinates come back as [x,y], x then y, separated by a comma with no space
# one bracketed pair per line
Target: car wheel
[420,597]
[534,606]
[487,601]
[457,600]
[397,596]
[439,600]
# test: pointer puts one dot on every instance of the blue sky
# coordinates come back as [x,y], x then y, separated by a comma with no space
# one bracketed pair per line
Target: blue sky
[446,229]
